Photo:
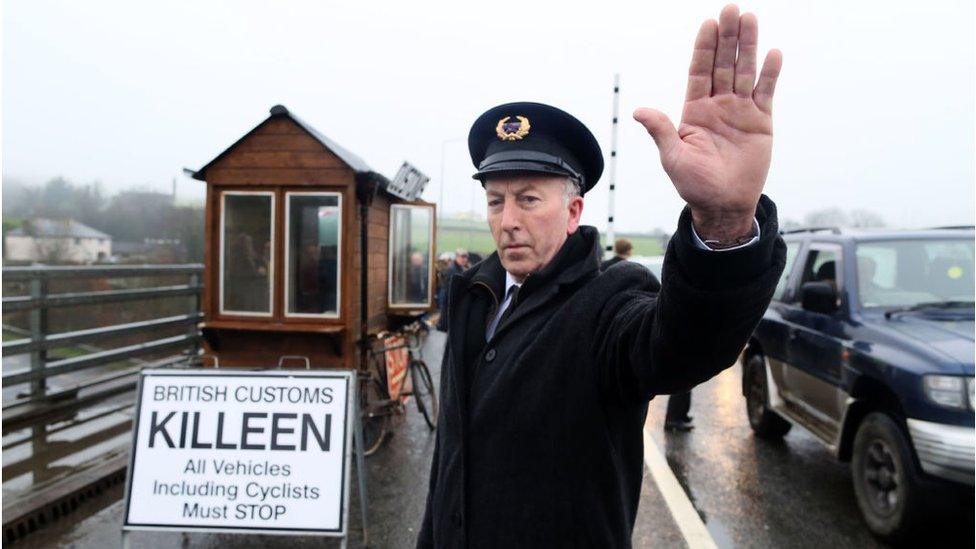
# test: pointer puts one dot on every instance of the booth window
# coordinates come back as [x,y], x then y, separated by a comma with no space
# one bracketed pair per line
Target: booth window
[246,249]
[411,246]
[313,254]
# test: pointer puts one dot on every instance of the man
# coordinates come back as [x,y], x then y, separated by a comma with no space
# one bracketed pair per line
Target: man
[458,266]
[549,363]
[417,279]
[868,290]
[461,259]
[622,249]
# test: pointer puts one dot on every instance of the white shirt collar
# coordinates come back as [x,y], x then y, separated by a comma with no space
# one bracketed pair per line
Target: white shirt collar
[509,280]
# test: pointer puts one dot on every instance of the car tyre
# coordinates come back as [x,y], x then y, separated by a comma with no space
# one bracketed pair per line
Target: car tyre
[887,485]
[765,423]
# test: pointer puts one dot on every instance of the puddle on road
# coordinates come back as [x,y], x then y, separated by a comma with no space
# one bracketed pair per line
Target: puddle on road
[42,454]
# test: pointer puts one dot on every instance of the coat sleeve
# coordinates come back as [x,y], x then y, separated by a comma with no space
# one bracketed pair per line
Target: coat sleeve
[708,306]
[425,540]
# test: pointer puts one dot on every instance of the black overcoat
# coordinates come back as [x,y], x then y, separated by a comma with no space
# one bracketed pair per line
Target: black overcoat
[539,441]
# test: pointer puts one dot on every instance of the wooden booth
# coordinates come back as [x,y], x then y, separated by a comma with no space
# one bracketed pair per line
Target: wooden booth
[289,212]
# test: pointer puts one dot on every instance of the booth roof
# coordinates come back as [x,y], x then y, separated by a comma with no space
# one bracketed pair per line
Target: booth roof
[280,111]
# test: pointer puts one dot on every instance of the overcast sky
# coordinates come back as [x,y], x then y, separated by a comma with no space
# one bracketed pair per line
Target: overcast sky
[874,108]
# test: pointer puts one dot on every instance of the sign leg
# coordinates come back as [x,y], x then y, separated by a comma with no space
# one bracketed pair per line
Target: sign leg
[125,540]
[361,469]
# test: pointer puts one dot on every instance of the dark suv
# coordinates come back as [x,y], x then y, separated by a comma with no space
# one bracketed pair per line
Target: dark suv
[868,345]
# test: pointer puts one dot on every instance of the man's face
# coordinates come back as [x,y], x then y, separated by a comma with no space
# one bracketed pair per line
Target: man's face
[530,218]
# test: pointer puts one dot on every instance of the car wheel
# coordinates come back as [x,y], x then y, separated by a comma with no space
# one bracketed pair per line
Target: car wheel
[886,483]
[765,423]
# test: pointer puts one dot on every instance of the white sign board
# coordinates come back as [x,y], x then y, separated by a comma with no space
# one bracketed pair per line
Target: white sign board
[264,451]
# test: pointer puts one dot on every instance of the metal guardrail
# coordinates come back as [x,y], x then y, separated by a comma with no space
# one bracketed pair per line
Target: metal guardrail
[53,341]
[50,423]
[20,274]
[23,303]
[39,301]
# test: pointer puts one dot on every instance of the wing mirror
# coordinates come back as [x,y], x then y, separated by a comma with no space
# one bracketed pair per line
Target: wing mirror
[819,297]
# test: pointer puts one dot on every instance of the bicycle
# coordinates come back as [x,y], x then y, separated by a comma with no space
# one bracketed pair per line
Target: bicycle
[377,404]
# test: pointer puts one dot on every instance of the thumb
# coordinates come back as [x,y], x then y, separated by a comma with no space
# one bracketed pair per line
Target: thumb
[660,127]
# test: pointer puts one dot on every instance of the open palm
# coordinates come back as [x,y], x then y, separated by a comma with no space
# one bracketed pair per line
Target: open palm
[719,156]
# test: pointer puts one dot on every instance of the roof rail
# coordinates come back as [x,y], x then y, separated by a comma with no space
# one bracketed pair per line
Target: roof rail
[833,230]
[952,227]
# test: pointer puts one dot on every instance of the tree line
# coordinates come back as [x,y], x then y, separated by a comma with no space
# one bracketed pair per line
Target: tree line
[130,216]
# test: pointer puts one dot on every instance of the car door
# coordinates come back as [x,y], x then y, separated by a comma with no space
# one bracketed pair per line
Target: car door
[812,378]
[773,330]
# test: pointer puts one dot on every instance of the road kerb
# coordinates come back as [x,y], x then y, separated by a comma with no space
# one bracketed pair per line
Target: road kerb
[692,528]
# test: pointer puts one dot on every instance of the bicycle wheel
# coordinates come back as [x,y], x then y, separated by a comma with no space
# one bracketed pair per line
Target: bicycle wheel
[423,392]
[373,413]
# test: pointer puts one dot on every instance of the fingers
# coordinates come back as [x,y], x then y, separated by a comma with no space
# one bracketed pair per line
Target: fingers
[660,127]
[745,64]
[763,94]
[702,61]
[728,36]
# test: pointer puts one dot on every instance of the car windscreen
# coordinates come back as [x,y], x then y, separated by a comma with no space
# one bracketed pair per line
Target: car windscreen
[906,273]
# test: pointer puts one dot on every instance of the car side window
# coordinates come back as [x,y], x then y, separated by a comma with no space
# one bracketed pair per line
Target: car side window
[821,266]
[792,249]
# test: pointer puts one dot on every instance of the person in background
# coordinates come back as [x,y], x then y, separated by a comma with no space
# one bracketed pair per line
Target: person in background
[677,418]
[622,248]
[443,264]
[458,266]
[417,279]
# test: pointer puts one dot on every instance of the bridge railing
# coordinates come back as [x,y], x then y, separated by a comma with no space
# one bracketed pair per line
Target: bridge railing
[37,340]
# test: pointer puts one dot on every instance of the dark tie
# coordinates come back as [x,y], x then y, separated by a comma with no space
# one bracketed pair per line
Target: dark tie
[513,290]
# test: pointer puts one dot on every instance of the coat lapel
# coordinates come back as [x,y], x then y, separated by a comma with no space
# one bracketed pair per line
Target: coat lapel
[577,262]
[532,302]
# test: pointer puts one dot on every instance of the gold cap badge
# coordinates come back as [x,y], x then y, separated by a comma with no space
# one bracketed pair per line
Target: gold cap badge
[509,130]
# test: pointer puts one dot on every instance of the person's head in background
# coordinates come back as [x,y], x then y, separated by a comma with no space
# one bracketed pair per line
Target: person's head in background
[866,267]
[461,257]
[622,248]
[416,260]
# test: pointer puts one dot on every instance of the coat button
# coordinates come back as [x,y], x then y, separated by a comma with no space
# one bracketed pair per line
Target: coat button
[490,355]
[456,517]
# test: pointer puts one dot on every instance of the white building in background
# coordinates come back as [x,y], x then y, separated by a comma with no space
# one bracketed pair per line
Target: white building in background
[56,241]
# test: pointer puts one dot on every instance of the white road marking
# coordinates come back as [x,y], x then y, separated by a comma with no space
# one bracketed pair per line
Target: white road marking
[692,528]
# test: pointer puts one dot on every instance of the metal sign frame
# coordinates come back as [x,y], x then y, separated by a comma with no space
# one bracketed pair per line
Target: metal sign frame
[351,424]
[408,183]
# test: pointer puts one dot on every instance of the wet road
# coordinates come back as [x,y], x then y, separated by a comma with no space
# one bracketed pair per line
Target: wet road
[756,493]
[36,457]
[397,487]
[749,492]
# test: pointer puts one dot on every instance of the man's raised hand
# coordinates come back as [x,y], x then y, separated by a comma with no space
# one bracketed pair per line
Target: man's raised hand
[719,156]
